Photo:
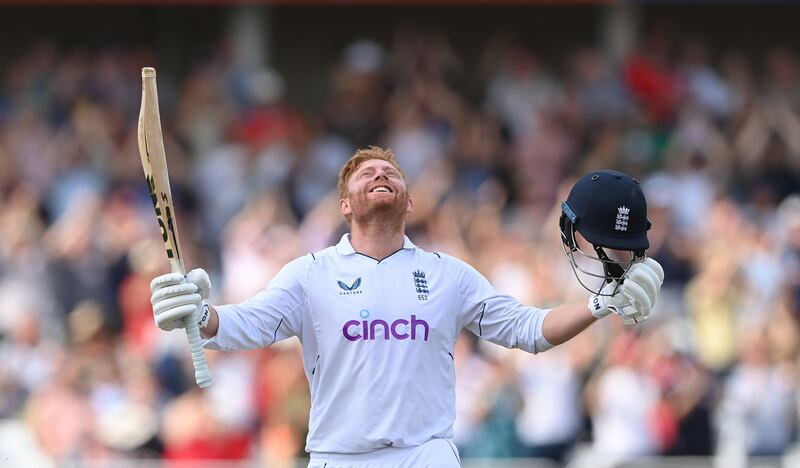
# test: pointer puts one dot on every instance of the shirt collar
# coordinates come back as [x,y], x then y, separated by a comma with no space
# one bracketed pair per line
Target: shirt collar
[345,248]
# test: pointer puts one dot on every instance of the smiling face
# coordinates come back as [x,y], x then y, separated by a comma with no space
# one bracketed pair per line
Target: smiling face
[375,189]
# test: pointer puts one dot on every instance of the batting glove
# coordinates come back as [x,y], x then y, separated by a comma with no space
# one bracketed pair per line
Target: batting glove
[175,297]
[634,298]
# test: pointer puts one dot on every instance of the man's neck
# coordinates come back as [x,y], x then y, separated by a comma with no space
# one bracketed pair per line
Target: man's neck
[376,241]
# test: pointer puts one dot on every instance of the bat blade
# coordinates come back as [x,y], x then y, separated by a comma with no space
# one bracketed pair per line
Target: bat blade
[154,163]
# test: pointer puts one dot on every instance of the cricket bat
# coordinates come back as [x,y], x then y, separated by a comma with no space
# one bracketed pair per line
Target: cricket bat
[154,163]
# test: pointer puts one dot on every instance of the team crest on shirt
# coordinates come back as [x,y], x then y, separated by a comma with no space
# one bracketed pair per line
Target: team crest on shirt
[421,285]
[351,289]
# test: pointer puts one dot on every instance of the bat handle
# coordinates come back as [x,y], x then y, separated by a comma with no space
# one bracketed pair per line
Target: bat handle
[201,373]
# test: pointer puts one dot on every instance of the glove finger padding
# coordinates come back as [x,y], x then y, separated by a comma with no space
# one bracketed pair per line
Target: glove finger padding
[644,277]
[656,268]
[163,281]
[199,277]
[176,313]
[652,268]
[168,303]
[172,291]
[653,276]
[638,298]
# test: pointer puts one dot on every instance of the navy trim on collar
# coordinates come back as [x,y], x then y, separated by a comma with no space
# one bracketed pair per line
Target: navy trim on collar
[345,248]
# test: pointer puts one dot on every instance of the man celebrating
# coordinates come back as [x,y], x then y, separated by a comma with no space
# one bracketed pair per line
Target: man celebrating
[378,317]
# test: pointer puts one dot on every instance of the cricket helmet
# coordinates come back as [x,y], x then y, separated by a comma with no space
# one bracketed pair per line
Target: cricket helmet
[609,210]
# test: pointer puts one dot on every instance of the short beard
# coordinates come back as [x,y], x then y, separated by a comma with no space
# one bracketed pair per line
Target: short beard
[390,216]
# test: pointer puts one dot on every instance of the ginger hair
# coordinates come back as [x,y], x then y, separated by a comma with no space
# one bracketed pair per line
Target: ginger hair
[366,154]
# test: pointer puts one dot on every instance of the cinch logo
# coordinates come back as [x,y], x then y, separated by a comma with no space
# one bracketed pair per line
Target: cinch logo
[352,289]
[400,329]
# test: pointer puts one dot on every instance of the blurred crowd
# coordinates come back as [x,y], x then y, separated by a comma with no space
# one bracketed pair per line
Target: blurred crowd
[489,149]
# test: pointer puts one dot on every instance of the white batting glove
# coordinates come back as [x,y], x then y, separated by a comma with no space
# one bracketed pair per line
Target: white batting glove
[174,297]
[199,277]
[635,298]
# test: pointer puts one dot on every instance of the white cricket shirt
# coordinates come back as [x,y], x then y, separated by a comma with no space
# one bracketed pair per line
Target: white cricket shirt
[378,339]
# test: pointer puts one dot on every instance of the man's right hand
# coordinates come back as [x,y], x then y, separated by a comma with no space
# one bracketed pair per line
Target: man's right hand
[175,297]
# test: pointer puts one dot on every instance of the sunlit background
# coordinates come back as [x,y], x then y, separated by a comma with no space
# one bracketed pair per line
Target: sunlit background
[493,109]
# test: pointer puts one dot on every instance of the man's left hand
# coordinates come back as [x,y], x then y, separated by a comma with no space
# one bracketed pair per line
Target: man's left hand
[640,287]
